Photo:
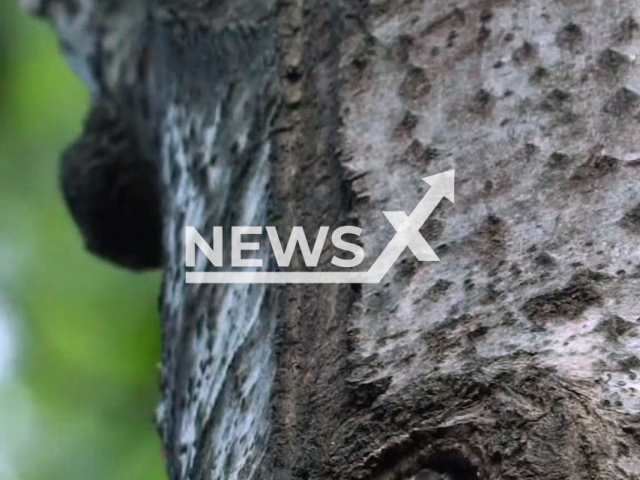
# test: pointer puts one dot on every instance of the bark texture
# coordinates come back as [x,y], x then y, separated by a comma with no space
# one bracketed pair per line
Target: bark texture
[517,355]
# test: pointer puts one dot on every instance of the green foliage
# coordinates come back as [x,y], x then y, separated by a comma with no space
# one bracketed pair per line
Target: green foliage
[80,403]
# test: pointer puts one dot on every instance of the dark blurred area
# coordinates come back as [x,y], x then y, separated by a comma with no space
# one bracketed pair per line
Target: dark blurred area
[79,338]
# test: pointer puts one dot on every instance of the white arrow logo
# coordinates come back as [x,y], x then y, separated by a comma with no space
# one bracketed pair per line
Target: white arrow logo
[407,235]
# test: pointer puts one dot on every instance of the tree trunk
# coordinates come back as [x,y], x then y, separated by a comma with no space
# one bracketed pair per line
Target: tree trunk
[515,356]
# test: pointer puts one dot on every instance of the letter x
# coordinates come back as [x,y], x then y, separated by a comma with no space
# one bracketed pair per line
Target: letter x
[410,236]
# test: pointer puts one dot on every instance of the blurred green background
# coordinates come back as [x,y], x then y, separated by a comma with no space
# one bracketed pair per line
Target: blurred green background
[79,339]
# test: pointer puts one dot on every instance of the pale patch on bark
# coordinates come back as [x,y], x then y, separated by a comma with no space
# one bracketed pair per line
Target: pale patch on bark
[535,257]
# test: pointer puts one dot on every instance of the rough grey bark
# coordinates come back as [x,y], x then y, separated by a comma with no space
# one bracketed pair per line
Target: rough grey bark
[514,357]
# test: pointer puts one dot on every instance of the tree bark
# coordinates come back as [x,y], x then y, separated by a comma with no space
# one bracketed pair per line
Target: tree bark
[515,356]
